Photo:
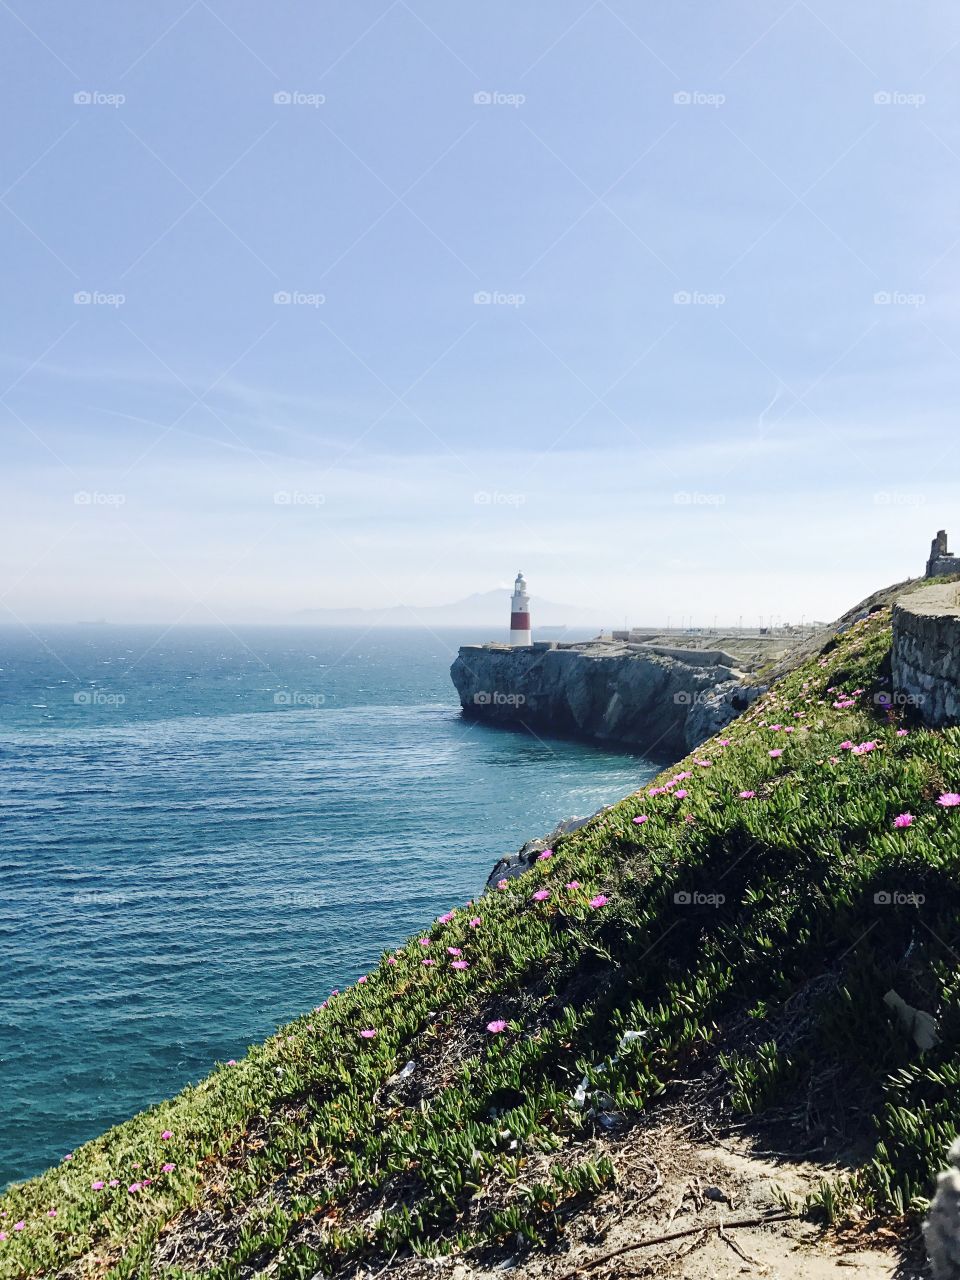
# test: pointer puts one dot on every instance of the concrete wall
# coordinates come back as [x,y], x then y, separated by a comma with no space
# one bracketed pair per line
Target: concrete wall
[926,653]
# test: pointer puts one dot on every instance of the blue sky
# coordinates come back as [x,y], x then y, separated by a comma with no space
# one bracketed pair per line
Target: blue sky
[387,299]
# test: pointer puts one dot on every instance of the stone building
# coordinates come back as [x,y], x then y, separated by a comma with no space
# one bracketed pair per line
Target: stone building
[941,560]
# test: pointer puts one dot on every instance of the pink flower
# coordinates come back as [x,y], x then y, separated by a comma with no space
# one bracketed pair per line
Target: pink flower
[167,1168]
[475,922]
[428,962]
[424,942]
[496,1026]
[573,884]
[846,746]
[165,1135]
[949,800]
[641,819]
[903,820]
[704,764]
[723,742]
[135,1186]
[599,901]
[391,959]
[777,751]
[459,964]
[747,795]
[541,895]
[19,1226]
[114,1182]
[501,884]
[445,919]
[902,733]
[656,791]
[98,1185]
[681,776]
[368,1033]
[363,979]
[51,1213]
[681,794]
[688,817]
[545,855]
[454,951]
[3,1235]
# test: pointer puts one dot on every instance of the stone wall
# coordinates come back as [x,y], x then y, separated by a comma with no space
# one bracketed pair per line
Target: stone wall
[926,653]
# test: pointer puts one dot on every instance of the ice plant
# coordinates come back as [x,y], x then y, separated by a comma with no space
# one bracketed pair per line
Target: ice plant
[545,855]
[167,1168]
[424,942]
[454,951]
[903,820]
[747,795]
[496,1026]
[641,819]
[573,884]
[475,922]
[599,901]
[501,884]
[166,1135]
[368,1033]
[949,800]
[777,751]
[681,794]
[459,964]
[541,895]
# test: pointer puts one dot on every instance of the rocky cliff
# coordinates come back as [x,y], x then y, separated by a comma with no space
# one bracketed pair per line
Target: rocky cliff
[624,693]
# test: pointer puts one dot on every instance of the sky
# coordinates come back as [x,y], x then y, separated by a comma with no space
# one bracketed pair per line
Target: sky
[376,303]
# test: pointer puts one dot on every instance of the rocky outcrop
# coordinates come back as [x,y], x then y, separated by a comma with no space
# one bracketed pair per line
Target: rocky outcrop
[926,653]
[941,1231]
[609,692]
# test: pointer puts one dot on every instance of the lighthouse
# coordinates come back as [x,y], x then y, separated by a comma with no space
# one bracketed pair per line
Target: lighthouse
[520,613]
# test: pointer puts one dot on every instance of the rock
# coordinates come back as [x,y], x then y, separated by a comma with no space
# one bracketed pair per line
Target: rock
[629,694]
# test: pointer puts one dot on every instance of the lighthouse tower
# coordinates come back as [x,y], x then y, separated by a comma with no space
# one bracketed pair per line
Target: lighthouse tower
[520,613]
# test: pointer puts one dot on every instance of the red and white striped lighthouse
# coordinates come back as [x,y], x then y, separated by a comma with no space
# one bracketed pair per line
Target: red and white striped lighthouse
[520,613]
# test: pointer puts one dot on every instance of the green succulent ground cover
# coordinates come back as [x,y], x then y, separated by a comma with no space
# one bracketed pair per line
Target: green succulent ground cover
[757,934]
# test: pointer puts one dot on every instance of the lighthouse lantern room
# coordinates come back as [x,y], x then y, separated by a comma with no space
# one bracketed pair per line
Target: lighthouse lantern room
[520,613]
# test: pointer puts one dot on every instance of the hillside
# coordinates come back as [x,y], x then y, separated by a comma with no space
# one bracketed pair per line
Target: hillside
[687,1002]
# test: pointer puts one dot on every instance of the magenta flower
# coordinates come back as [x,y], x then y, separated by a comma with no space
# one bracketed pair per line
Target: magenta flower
[19,1226]
[902,733]
[949,800]
[459,964]
[475,922]
[681,776]
[391,959]
[114,1182]
[363,979]
[3,1235]
[368,1033]
[135,1186]
[167,1168]
[541,895]
[165,1135]
[846,746]
[454,951]
[681,794]
[641,819]
[424,942]
[51,1213]
[501,884]
[496,1026]
[429,962]
[599,901]
[747,795]
[903,820]
[231,1062]
[446,918]
[545,855]
[723,742]
[98,1185]
[573,884]
[656,791]
[777,751]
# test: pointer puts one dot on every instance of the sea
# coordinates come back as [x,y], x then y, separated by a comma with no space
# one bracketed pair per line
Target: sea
[204,830]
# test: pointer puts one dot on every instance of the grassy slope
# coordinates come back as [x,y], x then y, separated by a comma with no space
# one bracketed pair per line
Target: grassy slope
[302,1154]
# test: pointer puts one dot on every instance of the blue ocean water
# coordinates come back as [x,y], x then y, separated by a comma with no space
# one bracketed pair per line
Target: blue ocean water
[202,831]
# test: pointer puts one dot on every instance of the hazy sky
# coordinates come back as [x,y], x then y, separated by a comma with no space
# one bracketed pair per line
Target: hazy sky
[377,302]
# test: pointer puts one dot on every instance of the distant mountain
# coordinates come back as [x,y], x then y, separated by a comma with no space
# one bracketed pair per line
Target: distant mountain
[483,608]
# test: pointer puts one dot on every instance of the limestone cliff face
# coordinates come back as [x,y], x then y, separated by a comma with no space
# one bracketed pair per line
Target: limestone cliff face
[660,704]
